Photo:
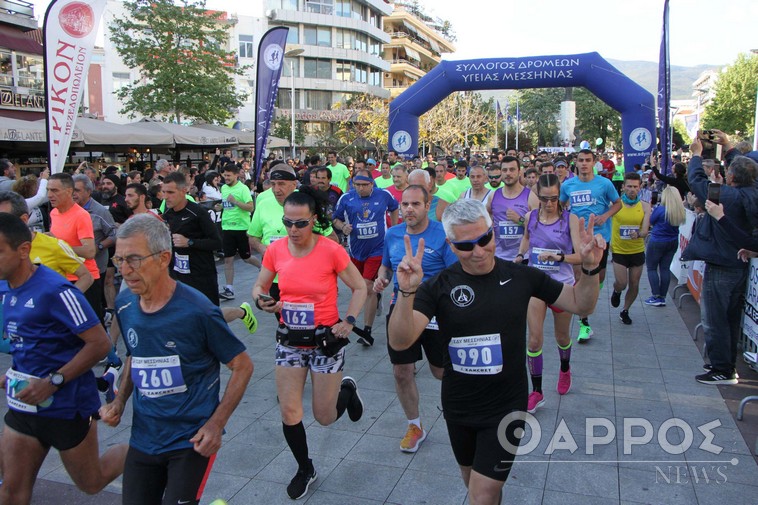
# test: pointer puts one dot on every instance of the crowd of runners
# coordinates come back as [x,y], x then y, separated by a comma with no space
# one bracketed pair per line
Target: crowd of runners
[466,253]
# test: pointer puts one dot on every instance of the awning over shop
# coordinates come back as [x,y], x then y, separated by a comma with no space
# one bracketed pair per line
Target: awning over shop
[188,136]
[243,137]
[20,43]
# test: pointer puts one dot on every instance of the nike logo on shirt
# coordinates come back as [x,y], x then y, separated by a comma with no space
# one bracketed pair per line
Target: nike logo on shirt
[503,283]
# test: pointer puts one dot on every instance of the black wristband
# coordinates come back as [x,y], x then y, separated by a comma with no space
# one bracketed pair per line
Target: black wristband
[562,257]
[592,272]
[406,294]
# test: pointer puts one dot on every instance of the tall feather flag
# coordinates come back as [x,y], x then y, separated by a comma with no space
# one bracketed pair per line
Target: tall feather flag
[664,94]
[499,112]
[69,33]
[270,60]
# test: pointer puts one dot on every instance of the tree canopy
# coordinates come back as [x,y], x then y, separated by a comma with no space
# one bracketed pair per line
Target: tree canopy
[733,108]
[185,70]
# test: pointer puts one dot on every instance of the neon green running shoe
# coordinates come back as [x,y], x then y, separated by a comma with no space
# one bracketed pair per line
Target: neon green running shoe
[585,332]
[251,323]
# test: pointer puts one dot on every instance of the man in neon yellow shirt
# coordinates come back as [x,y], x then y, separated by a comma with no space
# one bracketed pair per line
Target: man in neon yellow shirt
[384,180]
[235,220]
[340,173]
[461,182]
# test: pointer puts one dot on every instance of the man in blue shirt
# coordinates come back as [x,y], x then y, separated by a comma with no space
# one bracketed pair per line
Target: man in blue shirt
[588,195]
[360,215]
[437,256]
[55,340]
[178,420]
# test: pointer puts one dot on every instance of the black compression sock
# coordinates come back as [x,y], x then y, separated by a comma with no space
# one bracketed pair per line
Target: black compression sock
[585,321]
[298,444]
[537,383]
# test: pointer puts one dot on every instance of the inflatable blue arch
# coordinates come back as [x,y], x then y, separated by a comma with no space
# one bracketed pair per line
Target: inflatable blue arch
[590,70]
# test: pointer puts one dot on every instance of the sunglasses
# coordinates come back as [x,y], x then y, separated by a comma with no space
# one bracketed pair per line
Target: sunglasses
[481,241]
[288,223]
[548,198]
[494,177]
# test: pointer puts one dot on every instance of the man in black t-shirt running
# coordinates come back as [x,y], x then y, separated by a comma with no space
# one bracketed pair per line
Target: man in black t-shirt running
[485,374]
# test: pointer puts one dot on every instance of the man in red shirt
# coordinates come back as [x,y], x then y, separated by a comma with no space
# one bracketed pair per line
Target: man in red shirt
[72,224]
[609,168]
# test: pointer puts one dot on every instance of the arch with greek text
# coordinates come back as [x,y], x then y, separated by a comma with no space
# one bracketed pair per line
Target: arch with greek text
[589,70]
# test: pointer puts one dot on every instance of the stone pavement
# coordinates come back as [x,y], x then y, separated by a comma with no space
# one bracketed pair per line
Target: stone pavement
[639,375]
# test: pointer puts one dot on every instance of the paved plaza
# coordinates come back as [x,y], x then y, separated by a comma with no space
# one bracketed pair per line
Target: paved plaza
[625,373]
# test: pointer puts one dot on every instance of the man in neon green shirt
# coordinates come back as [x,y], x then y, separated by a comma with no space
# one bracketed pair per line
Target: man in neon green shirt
[618,176]
[235,220]
[266,225]
[394,159]
[384,180]
[443,190]
[461,182]
[494,175]
[340,173]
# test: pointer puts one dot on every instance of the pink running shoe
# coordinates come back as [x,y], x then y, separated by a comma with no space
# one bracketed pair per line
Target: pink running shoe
[564,382]
[536,400]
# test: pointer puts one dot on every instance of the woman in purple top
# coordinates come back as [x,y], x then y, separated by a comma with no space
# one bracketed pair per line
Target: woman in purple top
[661,246]
[551,236]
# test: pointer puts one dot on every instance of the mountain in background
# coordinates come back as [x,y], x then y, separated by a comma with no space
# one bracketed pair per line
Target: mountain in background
[644,73]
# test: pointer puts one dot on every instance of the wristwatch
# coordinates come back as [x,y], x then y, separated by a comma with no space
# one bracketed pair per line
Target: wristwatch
[592,272]
[350,320]
[100,246]
[57,379]
[190,243]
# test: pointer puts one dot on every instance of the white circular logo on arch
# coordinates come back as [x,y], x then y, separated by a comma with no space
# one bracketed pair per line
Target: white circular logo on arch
[273,56]
[640,139]
[401,141]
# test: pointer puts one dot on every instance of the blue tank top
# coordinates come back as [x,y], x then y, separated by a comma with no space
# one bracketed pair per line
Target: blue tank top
[554,238]
[508,234]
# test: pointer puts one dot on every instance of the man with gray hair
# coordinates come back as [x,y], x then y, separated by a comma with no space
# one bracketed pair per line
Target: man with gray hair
[178,420]
[723,293]
[163,168]
[484,385]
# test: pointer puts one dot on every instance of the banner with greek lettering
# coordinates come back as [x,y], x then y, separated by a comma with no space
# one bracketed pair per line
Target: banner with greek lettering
[70,29]
[664,93]
[270,59]
[590,70]
[750,320]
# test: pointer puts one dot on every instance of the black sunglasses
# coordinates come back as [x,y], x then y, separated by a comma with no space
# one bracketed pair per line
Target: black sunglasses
[548,198]
[481,241]
[288,223]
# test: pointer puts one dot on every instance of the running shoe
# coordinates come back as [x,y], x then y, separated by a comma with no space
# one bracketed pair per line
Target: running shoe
[661,301]
[536,400]
[355,404]
[298,486]
[707,367]
[624,316]
[585,332]
[249,319]
[108,318]
[564,382]
[413,438]
[111,376]
[226,294]
[615,299]
[366,342]
[652,301]
[717,378]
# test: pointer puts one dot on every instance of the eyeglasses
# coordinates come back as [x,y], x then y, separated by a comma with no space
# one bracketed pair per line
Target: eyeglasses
[481,241]
[494,177]
[548,198]
[134,261]
[288,223]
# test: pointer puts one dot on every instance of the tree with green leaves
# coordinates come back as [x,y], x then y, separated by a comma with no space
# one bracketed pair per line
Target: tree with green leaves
[733,108]
[596,119]
[185,71]
[540,111]
[282,128]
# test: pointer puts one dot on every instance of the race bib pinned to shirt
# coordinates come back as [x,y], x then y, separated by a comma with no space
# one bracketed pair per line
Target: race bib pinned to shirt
[274,238]
[581,198]
[510,230]
[547,265]
[367,230]
[15,382]
[299,316]
[625,231]
[477,355]
[181,263]
[158,376]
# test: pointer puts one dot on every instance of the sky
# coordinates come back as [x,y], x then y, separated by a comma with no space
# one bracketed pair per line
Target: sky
[709,32]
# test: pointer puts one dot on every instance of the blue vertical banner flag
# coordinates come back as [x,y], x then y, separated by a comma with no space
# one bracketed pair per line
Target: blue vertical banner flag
[499,112]
[69,33]
[664,94]
[507,107]
[269,70]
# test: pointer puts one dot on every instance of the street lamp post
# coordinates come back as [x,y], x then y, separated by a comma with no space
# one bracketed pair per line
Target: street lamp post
[291,54]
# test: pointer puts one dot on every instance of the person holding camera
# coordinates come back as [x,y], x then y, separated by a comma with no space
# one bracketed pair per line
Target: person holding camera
[311,335]
[723,291]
